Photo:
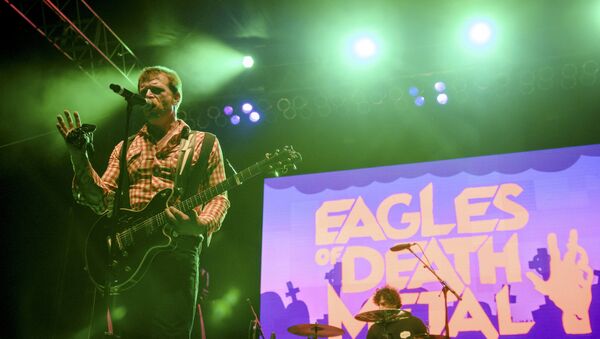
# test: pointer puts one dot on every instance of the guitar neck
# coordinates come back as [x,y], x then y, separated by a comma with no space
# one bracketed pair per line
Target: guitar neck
[205,196]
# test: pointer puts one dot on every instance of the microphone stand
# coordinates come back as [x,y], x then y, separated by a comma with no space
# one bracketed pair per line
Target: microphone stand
[255,323]
[108,297]
[445,289]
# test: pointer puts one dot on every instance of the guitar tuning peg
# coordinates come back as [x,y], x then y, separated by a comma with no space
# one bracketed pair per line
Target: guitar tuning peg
[276,174]
[268,155]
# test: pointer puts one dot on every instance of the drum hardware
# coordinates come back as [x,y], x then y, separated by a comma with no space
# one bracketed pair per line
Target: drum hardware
[315,330]
[384,314]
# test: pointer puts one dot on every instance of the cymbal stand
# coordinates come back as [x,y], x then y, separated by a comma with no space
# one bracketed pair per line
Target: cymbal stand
[445,289]
[255,326]
[316,327]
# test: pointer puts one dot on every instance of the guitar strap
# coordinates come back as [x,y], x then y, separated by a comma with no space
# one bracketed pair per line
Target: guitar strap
[186,153]
[189,177]
[125,192]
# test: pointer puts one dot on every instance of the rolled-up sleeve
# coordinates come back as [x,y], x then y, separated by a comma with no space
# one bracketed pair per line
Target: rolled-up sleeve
[216,208]
[89,189]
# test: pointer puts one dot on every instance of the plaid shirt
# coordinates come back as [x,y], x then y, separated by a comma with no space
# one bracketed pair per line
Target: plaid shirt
[152,169]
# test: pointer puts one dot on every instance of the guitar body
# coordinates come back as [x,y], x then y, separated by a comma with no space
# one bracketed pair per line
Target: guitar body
[129,249]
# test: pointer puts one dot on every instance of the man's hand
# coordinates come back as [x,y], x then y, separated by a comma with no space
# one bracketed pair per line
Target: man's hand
[65,128]
[75,136]
[187,224]
[569,285]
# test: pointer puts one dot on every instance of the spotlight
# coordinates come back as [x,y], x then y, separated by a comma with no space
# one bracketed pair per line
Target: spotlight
[413,91]
[235,119]
[254,116]
[420,100]
[228,110]
[480,33]
[248,61]
[439,86]
[247,108]
[364,48]
[442,98]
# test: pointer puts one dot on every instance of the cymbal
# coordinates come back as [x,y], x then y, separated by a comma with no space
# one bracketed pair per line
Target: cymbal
[381,315]
[315,330]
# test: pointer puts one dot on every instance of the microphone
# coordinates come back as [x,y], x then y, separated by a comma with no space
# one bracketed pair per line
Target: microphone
[401,247]
[132,98]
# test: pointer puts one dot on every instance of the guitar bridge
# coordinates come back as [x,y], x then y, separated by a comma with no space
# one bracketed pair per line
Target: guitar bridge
[124,239]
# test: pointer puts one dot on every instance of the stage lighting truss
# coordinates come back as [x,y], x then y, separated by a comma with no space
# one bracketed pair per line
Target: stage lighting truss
[80,34]
[395,98]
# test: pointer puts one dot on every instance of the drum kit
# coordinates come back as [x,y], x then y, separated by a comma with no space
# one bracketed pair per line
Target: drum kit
[384,316]
[324,331]
[315,330]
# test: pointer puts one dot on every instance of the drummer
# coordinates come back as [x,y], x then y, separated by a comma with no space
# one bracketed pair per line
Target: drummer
[402,326]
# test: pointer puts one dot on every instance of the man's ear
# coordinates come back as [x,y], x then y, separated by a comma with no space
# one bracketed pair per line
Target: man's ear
[177,97]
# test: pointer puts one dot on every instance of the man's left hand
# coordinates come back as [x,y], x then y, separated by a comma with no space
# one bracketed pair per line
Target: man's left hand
[186,224]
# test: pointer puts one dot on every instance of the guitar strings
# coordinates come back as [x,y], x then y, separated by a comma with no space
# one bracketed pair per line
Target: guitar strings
[158,219]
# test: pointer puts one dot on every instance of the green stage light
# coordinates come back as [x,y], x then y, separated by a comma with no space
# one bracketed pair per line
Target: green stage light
[484,37]
[222,307]
[119,313]
[480,33]
[248,61]
[205,65]
[364,48]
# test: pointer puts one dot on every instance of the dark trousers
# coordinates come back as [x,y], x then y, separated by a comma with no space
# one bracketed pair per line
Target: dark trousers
[162,304]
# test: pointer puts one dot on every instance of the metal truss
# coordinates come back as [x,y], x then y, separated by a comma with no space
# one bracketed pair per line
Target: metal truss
[79,33]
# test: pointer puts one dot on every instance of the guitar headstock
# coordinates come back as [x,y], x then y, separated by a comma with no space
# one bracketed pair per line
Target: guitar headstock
[282,160]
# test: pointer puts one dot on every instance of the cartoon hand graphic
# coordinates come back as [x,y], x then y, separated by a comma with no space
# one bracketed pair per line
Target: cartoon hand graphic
[569,285]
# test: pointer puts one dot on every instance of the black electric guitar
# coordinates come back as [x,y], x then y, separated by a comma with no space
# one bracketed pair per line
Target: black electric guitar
[122,257]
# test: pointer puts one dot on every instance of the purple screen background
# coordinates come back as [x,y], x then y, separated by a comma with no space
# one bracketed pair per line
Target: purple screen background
[561,191]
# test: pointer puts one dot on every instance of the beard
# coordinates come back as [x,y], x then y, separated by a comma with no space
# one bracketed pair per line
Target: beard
[153,114]
[158,111]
